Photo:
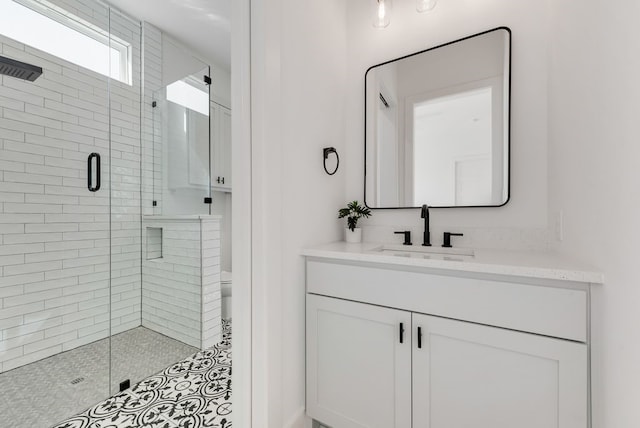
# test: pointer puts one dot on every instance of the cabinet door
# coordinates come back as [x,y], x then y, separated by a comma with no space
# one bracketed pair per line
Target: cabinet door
[474,376]
[358,372]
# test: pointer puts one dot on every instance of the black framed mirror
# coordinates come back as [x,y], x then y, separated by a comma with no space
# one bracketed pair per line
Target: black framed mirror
[437,126]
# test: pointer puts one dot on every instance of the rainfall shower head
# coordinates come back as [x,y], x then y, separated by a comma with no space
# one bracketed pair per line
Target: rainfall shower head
[20,70]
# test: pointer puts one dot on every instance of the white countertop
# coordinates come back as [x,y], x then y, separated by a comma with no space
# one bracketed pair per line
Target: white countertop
[532,264]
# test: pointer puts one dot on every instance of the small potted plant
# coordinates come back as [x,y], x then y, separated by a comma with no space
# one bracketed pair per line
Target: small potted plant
[354,211]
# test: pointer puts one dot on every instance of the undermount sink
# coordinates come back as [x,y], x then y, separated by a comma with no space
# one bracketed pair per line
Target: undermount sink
[420,251]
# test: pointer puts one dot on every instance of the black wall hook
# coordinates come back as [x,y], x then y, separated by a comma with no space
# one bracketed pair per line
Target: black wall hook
[326,152]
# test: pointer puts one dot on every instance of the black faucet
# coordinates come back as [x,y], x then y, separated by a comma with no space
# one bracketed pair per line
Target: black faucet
[426,236]
[446,239]
[407,237]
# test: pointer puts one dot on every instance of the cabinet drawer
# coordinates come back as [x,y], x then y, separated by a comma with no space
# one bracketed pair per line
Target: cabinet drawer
[546,310]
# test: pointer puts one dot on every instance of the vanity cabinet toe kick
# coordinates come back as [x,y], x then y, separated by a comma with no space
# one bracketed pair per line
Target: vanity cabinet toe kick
[407,347]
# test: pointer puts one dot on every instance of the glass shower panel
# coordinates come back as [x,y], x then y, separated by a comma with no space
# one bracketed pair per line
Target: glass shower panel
[175,193]
[55,227]
[148,327]
[182,121]
[125,152]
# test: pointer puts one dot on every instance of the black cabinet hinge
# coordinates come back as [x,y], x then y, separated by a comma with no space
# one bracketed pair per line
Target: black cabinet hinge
[207,80]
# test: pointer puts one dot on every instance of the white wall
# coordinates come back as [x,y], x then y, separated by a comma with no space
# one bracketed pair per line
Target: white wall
[243,223]
[522,223]
[574,116]
[594,101]
[308,65]
[299,77]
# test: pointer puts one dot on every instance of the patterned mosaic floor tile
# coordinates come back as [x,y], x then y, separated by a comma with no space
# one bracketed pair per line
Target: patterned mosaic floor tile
[192,393]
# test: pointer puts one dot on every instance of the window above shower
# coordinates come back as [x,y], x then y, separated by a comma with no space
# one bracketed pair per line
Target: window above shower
[47,27]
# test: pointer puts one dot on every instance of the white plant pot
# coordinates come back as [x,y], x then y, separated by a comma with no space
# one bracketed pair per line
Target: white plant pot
[353,237]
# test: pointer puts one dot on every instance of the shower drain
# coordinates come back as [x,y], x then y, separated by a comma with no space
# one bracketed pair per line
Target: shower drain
[77,380]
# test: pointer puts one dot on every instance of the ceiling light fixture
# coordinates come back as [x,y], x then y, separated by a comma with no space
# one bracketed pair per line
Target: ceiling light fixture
[380,13]
[426,5]
[381,10]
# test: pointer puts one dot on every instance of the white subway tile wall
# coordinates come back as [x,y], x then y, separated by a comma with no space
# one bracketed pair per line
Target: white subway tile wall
[54,243]
[181,291]
[211,291]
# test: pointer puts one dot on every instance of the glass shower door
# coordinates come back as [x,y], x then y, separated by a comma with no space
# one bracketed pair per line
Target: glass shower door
[125,154]
[149,331]
[55,226]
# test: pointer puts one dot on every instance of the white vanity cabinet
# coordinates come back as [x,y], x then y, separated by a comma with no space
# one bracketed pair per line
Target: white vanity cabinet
[391,347]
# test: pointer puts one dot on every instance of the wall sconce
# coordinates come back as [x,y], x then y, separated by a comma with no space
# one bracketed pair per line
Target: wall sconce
[381,10]
[380,13]
[426,5]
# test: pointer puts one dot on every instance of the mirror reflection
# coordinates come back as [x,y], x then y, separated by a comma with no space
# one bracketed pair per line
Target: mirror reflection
[437,126]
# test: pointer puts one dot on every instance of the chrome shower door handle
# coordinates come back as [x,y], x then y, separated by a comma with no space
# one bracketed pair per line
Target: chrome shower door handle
[90,162]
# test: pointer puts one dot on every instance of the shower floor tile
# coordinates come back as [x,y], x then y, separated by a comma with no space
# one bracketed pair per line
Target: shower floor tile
[192,393]
[40,394]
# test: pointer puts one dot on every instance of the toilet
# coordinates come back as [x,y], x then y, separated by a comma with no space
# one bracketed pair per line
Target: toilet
[225,287]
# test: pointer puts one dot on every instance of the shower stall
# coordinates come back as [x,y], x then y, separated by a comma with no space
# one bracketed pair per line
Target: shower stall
[109,257]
